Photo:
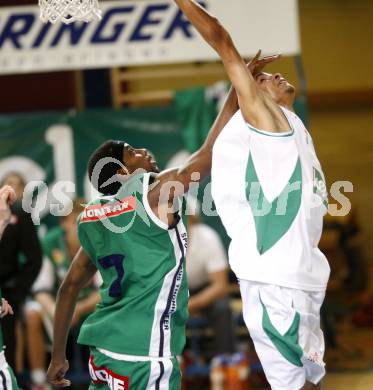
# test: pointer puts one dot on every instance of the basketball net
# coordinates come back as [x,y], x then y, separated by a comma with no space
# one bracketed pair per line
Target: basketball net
[69,11]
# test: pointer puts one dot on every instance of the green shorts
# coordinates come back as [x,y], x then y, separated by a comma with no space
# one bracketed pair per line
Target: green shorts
[122,374]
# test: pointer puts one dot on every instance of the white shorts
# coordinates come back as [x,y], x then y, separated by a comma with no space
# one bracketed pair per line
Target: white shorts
[7,378]
[284,324]
[47,321]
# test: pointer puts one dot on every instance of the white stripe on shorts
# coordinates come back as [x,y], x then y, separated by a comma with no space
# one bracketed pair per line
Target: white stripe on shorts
[131,358]
[5,377]
[160,373]
[8,379]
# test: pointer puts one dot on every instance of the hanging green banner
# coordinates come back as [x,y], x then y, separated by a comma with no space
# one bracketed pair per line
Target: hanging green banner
[54,148]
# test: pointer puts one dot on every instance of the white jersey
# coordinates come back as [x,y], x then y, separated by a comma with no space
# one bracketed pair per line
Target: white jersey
[270,192]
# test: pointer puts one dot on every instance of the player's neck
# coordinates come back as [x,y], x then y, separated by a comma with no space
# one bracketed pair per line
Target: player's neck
[288,106]
[287,103]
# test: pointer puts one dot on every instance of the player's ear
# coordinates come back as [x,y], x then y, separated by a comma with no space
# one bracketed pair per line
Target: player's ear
[123,171]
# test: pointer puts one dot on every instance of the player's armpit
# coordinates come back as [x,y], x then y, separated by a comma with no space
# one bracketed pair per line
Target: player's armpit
[175,182]
[81,271]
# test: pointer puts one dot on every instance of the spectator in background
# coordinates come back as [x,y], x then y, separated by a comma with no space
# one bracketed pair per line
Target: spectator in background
[59,247]
[19,238]
[7,197]
[208,273]
[341,241]
[207,270]
[17,182]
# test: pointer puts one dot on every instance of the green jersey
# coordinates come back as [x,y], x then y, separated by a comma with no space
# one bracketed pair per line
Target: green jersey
[141,260]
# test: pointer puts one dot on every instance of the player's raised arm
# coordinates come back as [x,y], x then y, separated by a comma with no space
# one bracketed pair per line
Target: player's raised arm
[200,162]
[218,38]
[176,181]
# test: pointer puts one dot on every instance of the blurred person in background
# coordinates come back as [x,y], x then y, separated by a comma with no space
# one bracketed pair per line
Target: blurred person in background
[19,241]
[7,197]
[342,243]
[59,247]
[15,181]
[208,273]
[208,281]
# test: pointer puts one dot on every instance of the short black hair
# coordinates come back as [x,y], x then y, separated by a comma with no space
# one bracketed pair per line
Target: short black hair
[109,149]
[13,173]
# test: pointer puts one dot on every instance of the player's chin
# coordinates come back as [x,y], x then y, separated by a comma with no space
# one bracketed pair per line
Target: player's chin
[154,168]
[290,89]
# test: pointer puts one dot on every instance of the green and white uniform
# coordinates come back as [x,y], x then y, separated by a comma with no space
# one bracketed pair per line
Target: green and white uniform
[270,192]
[144,292]
[7,378]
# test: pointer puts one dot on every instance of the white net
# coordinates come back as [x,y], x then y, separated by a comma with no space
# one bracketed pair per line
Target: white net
[68,11]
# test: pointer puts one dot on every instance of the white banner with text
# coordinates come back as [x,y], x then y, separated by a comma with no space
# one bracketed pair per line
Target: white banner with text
[141,32]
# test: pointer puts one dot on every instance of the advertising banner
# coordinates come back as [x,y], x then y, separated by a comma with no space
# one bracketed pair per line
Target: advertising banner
[141,32]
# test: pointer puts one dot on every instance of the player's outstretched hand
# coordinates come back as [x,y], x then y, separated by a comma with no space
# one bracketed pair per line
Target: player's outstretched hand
[56,374]
[257,64]
[5,309]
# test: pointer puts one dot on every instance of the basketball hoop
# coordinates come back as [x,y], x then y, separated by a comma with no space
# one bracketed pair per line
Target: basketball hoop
[69,11]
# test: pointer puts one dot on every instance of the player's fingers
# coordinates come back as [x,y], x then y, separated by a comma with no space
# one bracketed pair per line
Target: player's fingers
[257,56]
[263,62]
[271,57]
[268,59]
[275,57]
[60,382]
[252,63]
[58,379]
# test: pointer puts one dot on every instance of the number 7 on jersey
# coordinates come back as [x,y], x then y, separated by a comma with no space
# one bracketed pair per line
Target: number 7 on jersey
[115,289]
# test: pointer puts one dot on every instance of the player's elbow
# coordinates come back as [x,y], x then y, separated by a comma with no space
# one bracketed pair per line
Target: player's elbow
[69,287]
[221,40]
[222,289]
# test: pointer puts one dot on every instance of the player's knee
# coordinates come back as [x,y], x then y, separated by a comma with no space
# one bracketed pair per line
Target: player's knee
[33,319]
